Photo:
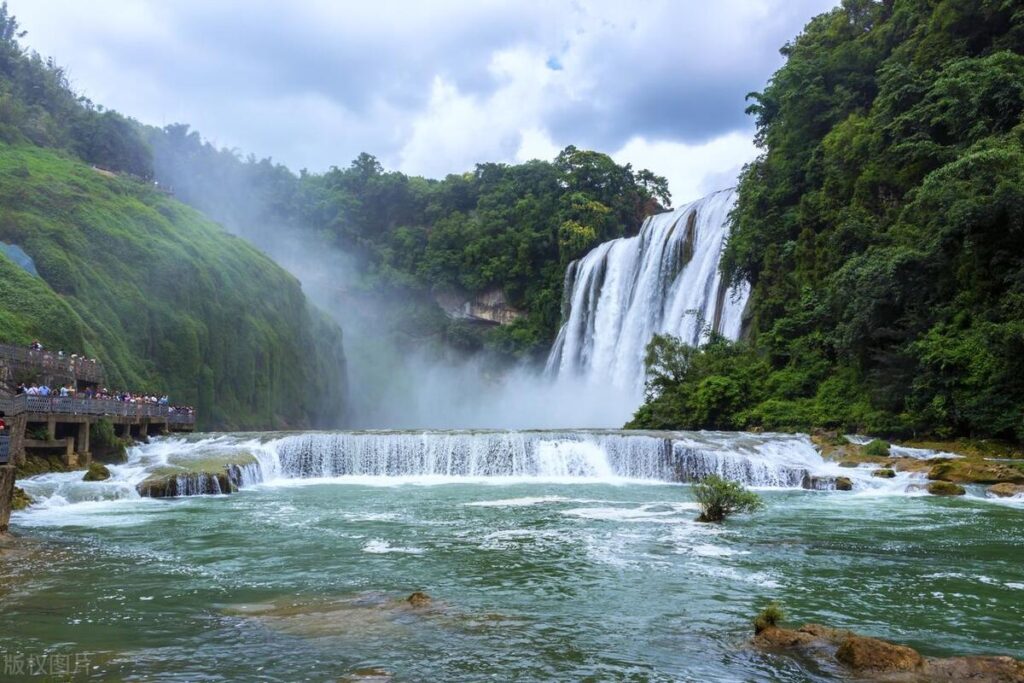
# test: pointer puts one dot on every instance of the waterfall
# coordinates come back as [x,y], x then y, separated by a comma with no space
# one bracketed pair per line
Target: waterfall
[756,460]
[663,280]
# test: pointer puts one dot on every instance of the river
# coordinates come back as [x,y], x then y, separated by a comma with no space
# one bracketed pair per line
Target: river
[548,555]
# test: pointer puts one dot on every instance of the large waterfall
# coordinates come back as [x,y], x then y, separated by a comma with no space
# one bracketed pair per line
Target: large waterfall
[663,280]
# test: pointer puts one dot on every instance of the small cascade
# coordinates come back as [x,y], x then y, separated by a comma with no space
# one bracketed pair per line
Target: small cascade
[596,455]
[664,280]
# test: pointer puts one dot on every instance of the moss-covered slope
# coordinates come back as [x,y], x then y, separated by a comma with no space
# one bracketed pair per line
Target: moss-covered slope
[167,299]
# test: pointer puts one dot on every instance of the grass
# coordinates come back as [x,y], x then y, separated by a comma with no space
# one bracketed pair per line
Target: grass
[768,617]
[168,300]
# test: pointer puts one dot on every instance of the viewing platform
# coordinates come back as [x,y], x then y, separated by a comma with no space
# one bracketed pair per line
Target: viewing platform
[53,368]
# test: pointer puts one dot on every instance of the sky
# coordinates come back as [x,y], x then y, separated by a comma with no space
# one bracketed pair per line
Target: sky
[432,88]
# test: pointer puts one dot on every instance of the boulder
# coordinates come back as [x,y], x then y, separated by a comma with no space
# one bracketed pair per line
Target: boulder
[945,488]
[844,484]
[884,472]
[20,500]
[97,472]
[864,654]
[419,599]
[968,471]
[1006,490]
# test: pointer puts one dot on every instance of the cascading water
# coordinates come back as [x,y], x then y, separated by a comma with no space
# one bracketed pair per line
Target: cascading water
[664,280]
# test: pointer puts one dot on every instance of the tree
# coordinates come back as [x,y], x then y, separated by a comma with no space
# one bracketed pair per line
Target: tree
[719,498]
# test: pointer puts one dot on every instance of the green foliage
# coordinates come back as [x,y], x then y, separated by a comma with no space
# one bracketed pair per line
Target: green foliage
[882,229]
[503,227]
[38,105]
[877,448]
[718,498]
[102,434]
[166,299]
[771,616]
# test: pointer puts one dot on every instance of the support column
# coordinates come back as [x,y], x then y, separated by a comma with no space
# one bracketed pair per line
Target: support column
[6,496]
[51,428]
[18,425]
[82,443]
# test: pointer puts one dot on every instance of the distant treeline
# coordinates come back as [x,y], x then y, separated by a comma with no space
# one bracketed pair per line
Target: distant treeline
[500,226]
[883,231]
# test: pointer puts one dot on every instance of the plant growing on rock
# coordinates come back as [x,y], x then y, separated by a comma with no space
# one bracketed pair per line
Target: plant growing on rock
[877,447]
[718,498]
[768,617]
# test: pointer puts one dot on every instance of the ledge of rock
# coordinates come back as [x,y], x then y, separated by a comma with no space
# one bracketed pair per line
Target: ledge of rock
[489,307]
[180,483]
[1006,490]
[880,660]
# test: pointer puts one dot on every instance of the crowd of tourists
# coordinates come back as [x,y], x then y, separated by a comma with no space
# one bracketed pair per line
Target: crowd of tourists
[69,391]
[74,360]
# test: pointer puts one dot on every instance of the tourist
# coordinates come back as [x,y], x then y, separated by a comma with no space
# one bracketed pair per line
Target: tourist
[21,389]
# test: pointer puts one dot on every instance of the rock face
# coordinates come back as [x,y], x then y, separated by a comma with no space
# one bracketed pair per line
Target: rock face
[945,488]
[879,660]
[489,307]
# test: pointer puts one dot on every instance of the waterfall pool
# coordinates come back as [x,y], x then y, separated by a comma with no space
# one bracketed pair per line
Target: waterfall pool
[559,567]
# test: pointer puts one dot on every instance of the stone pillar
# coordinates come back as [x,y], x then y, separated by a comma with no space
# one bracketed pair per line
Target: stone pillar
[18,425]
[51,428]
[6,496]
[82,445]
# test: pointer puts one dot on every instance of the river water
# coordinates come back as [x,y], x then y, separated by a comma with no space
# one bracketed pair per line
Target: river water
[580,560]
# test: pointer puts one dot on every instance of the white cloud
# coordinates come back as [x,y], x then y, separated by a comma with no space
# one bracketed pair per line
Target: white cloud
[433,88]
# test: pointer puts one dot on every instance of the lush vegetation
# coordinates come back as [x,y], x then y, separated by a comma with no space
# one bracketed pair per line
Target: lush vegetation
[718,498]
[165,298]
[882,229]
[769,617]
[512,228]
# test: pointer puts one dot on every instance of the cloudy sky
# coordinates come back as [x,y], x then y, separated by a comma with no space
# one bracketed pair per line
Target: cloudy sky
[433,87]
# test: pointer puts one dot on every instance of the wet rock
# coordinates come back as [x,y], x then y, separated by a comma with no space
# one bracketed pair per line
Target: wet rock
[879,660]
[174,484]
[849,464]
[419,599]
[1006,490]
[20,500]
[968,471]
[97,472]
[844,484]
[945,488]
[371,674]
[863,654]
[884,472]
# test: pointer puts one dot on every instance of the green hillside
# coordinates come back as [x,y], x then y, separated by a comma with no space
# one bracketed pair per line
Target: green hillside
[883,232]
[164,297]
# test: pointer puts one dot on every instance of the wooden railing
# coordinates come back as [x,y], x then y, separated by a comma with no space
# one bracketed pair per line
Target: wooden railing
[79,368]
[67,405]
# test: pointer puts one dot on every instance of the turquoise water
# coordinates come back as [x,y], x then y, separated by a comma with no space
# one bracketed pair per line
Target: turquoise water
[531,581]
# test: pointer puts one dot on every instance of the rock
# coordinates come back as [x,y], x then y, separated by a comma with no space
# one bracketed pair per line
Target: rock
[172,485]
[975,669]
[1006,490]
[844,484]
[966,471]
[849,464]
[419,599]
[371,674]
[945,488]
[97,472]
[20,500]
[884,472]
[874,659]
[871,654]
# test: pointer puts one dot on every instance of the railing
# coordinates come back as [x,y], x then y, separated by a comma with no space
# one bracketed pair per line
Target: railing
[79,368]
[68,405]
[5,449]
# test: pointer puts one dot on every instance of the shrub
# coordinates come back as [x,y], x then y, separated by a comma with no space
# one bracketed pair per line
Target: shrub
[877,448]
[719,498]
[770,616]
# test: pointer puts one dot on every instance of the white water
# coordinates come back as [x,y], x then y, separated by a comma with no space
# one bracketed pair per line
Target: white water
[665,280]
[440,457]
